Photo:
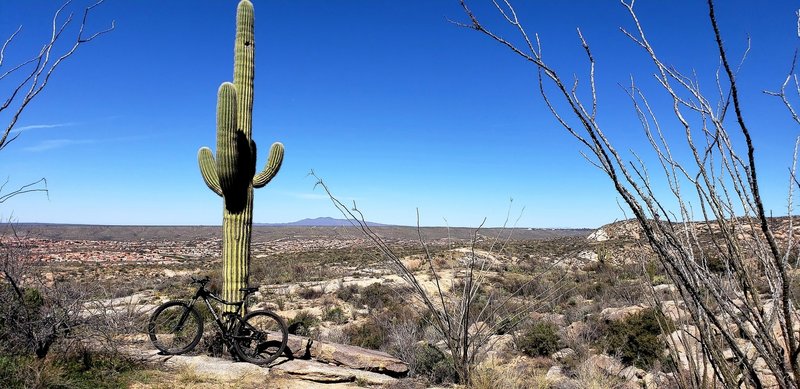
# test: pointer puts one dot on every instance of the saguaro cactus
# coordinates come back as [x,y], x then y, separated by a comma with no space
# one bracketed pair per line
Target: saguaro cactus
[232,174]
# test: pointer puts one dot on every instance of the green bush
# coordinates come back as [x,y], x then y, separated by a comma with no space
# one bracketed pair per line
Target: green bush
[637,340]
[335,314]
[541,339]
[658,279]
[369,334]
[377,296]
[506,326]
[303,323]
[32,298]
[435,365]
[89,369]
[347,293]
[80,369]
[11,371]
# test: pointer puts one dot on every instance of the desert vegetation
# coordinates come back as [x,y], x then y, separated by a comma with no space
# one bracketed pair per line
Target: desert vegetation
[696,295]
[596,304]
[601,326]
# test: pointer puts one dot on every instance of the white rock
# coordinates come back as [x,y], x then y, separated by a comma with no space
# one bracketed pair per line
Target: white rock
[598,236]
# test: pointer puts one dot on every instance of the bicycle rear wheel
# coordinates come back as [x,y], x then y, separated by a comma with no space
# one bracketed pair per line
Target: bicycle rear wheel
[175,328]
[260,337]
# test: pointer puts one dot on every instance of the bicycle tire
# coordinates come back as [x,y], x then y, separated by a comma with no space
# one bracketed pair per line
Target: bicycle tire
[168,334]
[260,337]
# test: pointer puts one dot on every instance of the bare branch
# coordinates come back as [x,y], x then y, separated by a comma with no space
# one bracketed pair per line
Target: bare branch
[41,67]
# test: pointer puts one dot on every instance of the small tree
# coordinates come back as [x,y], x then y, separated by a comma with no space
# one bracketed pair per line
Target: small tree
[34,314]
[744,317]
[466,311]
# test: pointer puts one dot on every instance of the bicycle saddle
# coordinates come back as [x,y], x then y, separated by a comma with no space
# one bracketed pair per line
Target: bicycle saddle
[249,290]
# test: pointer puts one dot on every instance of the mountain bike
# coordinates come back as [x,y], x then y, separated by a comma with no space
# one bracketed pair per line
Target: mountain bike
[259,337]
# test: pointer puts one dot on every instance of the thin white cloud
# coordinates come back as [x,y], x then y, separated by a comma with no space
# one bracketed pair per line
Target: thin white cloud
[41,126]
[317,196]
[51,144]
[309,196]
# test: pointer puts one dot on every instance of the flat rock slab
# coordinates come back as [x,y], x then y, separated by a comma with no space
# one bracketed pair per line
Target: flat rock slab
[358,358]
[324,373]
[221,369]
[296,383]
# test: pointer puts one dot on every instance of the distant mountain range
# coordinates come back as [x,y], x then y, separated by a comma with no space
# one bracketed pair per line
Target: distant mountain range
[318,222]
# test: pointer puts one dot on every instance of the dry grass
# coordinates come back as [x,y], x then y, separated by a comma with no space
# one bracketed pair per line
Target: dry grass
[590,377]
[509,377]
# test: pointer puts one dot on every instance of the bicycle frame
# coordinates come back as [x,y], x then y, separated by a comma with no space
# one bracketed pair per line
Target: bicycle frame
[259,341]
[206,295]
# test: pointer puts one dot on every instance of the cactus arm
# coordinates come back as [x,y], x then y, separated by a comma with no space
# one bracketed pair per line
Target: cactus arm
[271,167]
[208,168]
[228,156]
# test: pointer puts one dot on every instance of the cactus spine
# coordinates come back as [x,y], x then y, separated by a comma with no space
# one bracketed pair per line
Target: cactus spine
[231,174]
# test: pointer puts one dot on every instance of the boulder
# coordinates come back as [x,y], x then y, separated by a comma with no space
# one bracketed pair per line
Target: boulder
[498,348]
[555,373]
[298,347]
[320,372]
[574,332]
[658,380]
[665,290]
[619,314]
[223,370]
[674,310]
[358,358]
[564,354]
[598,236]
[633,373]
[588,256]
[604,364]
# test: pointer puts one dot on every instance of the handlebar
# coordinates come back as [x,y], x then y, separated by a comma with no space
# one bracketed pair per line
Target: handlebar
[203,281]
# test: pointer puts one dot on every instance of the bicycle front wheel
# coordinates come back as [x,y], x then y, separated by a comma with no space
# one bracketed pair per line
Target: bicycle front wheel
[260,337]
[175,328]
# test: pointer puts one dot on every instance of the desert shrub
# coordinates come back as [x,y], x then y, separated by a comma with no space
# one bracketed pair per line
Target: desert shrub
[76,369]
[303,323]
[89,369]
[335,314]
[435,365]
[347,293]
[715,263]
[518,284]
[506,325]
[32,298]
[659,279]
[637,339]
[403,337]
[369,334]
[11,370]
[314,265]
[377,296]
[540,339]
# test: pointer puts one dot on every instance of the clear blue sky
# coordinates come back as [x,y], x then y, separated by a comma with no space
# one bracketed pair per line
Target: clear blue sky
[390,104]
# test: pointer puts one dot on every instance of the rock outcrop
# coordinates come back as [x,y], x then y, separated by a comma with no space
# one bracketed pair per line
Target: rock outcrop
[324,373]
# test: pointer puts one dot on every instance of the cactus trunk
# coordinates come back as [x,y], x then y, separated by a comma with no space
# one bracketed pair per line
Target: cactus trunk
[237,228]
[232,173]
